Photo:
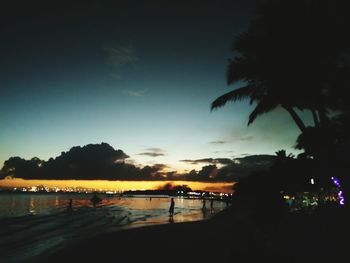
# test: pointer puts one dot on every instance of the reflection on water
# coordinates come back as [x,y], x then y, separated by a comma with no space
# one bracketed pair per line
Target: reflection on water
[31,206]
[56,201]
[33,223]
[140,209]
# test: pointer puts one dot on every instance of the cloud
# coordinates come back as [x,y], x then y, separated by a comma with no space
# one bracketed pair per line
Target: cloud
[103,162]
[173,186]
[243,138]
[154,172]
[240,155]
[153,152]
[208,160]
[135,93]
[120,57]
[160,166]
[246,138]
[232,169]
[223,152]
[218,142]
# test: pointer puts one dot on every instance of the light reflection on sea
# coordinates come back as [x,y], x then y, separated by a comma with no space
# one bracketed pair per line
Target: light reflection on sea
[31,224]
[20,204]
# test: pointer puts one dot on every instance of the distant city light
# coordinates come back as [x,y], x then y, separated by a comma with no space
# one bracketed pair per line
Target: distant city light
[312,181]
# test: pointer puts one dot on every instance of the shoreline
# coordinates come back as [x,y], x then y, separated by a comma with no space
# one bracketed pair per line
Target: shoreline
[233,235]
[205,240]
[31,236]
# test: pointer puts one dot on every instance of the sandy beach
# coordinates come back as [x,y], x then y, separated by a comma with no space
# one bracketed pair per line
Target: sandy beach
[231,236]
[41,224]
[202,241]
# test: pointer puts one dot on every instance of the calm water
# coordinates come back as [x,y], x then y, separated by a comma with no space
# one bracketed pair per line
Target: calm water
[31,224]
[23,204]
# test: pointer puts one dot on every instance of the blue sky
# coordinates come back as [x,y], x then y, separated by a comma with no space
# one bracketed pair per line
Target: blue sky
[139,79]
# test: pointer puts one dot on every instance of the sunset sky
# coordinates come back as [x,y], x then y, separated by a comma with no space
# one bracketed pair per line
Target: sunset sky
[138,75]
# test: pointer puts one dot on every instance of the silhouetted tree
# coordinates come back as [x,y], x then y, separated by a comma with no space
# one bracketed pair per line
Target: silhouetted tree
[296,55]
[291,56]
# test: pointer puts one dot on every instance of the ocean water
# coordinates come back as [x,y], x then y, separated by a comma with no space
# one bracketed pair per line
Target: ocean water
[32,224]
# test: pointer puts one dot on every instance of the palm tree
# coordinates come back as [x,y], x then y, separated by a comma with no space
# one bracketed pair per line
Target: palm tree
[286,61]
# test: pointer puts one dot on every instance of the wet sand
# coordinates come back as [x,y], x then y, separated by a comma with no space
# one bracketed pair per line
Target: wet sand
[31,236]
[231,236]
[220,239]
[182,242]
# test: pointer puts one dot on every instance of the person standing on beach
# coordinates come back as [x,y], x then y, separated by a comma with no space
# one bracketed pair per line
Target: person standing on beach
[70,205]
[95,200]
[203,207]
[171,208]
[211,205]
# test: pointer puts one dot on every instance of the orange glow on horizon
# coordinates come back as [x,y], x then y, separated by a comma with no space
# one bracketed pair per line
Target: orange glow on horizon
[116,185]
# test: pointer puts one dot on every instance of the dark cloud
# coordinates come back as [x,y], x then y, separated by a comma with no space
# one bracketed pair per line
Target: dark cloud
[242,167]
[223,160]
[92,161]
[208,160]
[232,170]
[102,161]
[154,149]
[255,160]
[153,152]
[173,186]
[160,166]
[247,138]
[218,142]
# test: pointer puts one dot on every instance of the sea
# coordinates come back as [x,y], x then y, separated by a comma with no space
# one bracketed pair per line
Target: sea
[32,224]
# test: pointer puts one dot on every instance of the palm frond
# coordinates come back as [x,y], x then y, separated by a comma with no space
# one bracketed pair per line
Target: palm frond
[235,95]
[238,69]
[264,106]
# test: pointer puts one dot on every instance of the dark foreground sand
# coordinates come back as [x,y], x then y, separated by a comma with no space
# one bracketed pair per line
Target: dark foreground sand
[231,236]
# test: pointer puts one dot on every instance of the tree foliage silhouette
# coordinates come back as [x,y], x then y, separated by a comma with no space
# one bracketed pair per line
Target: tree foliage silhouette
[295,55]
[291,56]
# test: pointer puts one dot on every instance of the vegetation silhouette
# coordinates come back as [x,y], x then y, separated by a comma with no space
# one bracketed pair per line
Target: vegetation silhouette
[280,62]
[295,55]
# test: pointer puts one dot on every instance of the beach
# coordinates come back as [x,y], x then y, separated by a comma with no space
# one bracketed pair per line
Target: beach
[141,231]
[231,236]
[202,241]
[36,224]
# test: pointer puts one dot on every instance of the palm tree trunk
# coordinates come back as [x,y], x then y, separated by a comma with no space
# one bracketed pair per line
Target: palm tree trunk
[316,118]
[296,118]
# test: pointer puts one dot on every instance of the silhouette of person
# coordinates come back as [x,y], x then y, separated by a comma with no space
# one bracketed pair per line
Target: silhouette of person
[227,201]
[203,207]
[211,204]
[171,208]
[95,200]
[70,205]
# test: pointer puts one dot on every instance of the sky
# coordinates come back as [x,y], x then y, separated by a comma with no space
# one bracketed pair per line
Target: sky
[138,75]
